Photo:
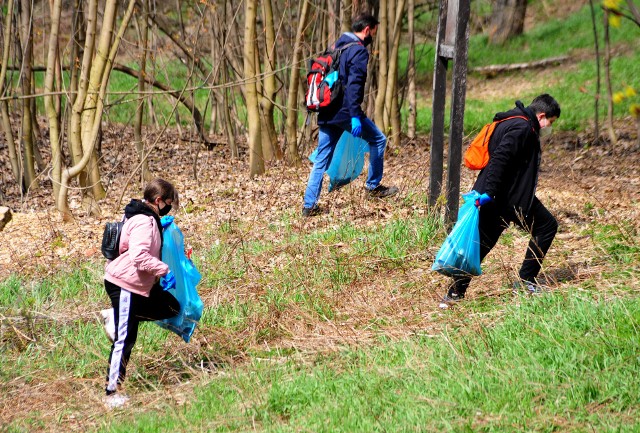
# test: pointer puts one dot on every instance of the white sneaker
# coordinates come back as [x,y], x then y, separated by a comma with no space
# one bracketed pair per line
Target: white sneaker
[115,401]
[109,323]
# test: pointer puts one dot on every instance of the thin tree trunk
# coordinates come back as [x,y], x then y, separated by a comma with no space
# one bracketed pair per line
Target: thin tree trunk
[137,129]
[269,135]
[383,65]
[53,116]
[411,72]
[29,174]
[4,105]
[391,97]
[607,73]
[71,172]
[256,160]
[293,158]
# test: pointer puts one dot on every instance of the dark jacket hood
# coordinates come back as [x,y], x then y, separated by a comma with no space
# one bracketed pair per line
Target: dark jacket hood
[137,207]
[520,110]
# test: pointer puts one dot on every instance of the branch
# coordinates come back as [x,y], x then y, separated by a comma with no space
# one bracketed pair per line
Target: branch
[187,102]
[493,70]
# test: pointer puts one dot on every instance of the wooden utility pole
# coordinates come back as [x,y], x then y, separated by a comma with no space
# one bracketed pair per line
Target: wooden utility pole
[452,43]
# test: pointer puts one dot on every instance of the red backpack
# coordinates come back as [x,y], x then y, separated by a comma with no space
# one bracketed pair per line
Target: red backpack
[323,83]
[476,157]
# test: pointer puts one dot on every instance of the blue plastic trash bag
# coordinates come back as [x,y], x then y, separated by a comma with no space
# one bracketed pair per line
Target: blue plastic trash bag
[347,161]
[459,255]
[187,278]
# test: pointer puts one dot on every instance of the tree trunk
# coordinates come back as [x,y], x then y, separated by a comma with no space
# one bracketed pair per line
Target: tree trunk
[383,65]
[507,20]
[293,158]
[90,140]
[269,136]
[256,161]
[4,105]
[607,79]
[143,21]
[53,115]
[29,174]
[411,72]
[391,97]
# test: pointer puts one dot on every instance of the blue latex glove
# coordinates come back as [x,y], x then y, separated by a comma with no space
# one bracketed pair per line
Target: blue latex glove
[168,281]
[356,127]
[166,221]
[483,199]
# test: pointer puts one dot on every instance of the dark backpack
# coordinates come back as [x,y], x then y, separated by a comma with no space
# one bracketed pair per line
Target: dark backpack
[323,83]
[111,239]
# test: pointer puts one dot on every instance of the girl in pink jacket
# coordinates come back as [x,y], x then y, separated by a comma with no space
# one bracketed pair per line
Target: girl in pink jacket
[137,280]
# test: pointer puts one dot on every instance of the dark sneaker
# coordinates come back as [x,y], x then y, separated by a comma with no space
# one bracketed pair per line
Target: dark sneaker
[450,299]
[526,287]
[382,191]
[310,211]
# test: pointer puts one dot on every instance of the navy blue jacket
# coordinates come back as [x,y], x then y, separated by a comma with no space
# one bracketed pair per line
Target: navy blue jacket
[353,73]
[511,176]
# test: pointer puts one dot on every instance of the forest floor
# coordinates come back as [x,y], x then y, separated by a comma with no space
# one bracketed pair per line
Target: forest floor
[577,184]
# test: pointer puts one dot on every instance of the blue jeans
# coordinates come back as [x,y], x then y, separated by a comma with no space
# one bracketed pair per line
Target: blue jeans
[327,140]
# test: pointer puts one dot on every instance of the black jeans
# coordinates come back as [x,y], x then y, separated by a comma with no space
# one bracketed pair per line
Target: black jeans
[539,223]
[129,309]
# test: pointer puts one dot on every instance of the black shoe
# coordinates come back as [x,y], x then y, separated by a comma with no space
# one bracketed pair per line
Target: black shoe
[450,299]
[526,287]
[382,191]
[310,211]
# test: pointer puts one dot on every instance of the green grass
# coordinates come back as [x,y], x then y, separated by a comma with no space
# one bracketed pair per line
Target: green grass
[573,88]
[559,362]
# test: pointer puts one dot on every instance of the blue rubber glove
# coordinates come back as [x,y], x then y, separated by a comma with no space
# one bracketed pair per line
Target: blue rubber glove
[356,127]
[483,199]
[166,221]
[168,281]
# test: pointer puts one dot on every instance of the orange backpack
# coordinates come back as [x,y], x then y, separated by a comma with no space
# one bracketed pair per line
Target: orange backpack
[476,157]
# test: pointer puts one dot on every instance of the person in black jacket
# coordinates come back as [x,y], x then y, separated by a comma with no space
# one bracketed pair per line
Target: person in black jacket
[508,185]
[346,114]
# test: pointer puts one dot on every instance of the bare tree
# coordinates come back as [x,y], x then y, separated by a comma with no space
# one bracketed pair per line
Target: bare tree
[411,71]
[256,160]
[293,158]
[4,104]
[26,35]
[507,20]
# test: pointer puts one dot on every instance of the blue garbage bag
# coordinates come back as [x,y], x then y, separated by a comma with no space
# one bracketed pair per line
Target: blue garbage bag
[347,161]
[459,255]
[187,278]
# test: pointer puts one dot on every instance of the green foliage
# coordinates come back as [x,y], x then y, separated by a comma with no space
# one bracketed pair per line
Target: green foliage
[558,361]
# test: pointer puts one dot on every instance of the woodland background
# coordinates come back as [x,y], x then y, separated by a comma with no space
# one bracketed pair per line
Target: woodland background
[329,323]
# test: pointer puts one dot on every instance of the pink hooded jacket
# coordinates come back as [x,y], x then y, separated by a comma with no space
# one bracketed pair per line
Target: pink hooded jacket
[139,264]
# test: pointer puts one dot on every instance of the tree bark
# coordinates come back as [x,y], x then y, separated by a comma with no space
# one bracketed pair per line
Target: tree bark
[143,21]
[507,20]
[53,115]
[269,136]
[293,158]
[4,104]
[411,72]
[391,97]
[29,174]
[91,140]
[607,79]
[256,160]
[383,65]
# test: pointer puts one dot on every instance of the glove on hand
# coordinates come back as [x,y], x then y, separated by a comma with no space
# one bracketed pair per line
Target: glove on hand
[356,127]
[168,281]
[166,221]
[483,199]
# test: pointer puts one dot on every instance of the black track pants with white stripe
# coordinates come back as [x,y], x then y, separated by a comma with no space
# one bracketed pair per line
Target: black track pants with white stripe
[129,309]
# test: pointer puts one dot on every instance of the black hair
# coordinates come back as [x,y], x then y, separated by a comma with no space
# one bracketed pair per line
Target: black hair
[160,188]
[546,104]
[363,21]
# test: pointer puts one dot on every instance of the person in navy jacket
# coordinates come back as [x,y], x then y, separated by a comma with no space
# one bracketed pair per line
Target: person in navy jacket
[508,190]
[346,114]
